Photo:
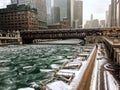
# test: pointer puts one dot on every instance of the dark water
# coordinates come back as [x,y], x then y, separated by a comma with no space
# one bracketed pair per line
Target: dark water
[21,66]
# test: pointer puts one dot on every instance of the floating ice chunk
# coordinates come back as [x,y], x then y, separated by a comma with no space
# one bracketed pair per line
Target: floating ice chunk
[33,84]
[26,88]
[46,70]
[55,66]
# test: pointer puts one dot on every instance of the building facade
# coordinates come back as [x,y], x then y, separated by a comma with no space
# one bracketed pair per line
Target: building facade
[66,10]
[95,23]
[113,17]
[102,23]
[49,14]
[113,13]
[18,18]
[40,5]
[92,23]
[110,16]
[118,13]
[78,13]
[55,15]
[70,11]
[61,25]
[62,4]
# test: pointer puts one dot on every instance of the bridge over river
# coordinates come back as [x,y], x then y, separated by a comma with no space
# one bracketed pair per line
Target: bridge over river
[29,36]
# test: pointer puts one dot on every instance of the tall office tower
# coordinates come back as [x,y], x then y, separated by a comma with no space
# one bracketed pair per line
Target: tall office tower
[118,13]
[55,15]
[49,14]
[40,5]
[70,11]
[66,9]
[113,13]
[62,4]
[110,16]
[107,18]
[78,13]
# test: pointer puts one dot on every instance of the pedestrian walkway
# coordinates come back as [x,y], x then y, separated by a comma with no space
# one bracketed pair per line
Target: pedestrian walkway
[103,77]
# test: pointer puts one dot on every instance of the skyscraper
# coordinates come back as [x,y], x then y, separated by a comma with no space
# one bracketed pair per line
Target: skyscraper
[110,16]
[49,14]
[78,12]
[62,4]
[49,6]
[55,14]
[40,5]
[113,13]
[66,9]
[70,11]
[118,13]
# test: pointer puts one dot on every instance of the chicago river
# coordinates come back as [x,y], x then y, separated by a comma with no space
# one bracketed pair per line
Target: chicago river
[24,66]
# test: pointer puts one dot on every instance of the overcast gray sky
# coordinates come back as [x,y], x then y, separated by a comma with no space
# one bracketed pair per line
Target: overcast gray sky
[95,7]
[3,3]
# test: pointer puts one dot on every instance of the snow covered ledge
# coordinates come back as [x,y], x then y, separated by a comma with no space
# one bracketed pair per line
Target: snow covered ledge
[75,83]
[60,85]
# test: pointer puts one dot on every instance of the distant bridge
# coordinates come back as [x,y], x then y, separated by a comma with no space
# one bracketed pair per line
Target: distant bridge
[29,36]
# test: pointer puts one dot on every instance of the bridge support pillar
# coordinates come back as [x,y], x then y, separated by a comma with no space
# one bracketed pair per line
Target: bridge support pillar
[27,41]
[20,41]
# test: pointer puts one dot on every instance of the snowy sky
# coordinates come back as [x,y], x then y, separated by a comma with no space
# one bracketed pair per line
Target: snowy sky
[95,7]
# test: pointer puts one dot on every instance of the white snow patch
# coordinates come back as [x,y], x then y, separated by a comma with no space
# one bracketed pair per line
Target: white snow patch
[34,84]
[26,88]
[68,70]
[58,85]
[105,81]
[111,82]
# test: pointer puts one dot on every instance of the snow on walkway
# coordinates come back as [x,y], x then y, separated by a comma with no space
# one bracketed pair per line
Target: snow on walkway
[110,82]
[95,81]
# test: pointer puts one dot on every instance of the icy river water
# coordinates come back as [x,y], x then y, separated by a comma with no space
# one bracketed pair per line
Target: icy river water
[24,66]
